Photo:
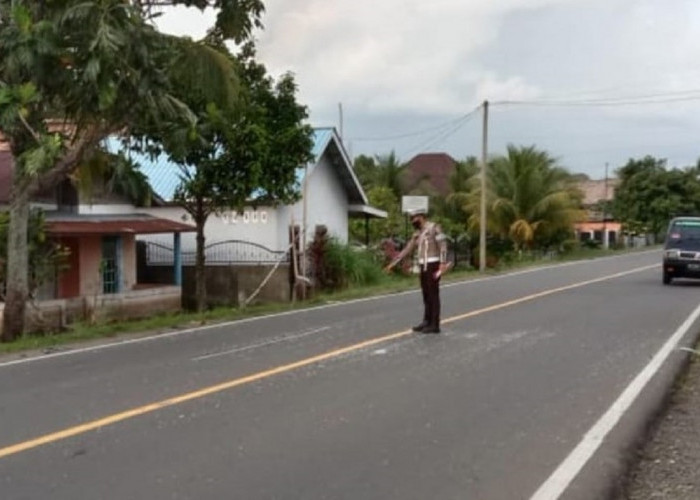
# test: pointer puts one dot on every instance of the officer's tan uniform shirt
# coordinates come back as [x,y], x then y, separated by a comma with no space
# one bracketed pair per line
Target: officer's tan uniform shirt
[430,243]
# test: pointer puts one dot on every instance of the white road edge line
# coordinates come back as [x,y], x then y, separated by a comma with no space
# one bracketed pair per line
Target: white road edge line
[572,465]
[276,340]
[204,328]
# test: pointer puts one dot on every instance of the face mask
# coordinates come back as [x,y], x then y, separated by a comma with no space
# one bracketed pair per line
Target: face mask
[417,224]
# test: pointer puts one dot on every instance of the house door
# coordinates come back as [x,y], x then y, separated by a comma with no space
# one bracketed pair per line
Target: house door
[111,260]
[69,280]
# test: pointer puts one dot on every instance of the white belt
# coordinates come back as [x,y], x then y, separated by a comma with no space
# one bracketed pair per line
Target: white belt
[429,260]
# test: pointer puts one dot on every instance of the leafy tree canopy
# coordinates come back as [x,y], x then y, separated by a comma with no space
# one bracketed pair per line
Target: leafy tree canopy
[649,194]
[46,257]
[73,72]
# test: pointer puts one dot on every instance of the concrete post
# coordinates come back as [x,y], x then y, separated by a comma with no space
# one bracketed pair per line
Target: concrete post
[177,258]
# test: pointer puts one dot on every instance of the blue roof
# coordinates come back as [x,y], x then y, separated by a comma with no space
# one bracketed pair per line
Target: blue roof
[165,176]
[321,138]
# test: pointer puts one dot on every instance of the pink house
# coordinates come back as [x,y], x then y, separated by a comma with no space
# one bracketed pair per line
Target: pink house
[599,224]
[100,234]
[103,250]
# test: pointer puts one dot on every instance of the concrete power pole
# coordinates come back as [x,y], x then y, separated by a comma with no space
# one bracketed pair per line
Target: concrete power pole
[482,214]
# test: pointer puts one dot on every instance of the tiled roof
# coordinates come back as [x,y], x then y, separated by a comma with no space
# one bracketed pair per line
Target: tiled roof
[434,169]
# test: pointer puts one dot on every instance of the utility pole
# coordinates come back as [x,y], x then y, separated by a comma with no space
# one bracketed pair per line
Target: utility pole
[482,214]
[304,221]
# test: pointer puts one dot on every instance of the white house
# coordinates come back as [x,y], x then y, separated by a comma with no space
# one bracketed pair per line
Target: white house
[331,195]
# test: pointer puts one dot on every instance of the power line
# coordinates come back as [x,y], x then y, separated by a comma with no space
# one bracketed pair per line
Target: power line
[611,91]
[424,131]
[659,98]
[443,135]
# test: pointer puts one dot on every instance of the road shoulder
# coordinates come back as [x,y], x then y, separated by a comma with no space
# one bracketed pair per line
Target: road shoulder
[667,464]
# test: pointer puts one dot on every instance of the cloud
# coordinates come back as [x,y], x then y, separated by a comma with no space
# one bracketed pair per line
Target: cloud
[514,88]
[402,65]
[394,55]
[186,21]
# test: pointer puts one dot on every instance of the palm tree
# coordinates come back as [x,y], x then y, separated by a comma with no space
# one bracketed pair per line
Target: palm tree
[389,173]
[531,201]
[455,204]
[104,173]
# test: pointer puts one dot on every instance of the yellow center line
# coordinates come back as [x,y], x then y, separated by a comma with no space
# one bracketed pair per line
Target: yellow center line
[206,391]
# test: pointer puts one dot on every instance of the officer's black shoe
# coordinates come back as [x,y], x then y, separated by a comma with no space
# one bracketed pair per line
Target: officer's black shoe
[430,329]
[419,328]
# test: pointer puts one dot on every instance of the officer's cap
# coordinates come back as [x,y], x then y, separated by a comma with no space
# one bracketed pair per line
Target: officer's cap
[417,211]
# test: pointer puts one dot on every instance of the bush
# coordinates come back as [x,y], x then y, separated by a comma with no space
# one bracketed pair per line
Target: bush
[344,266]
[570,245]
[591,244]
[389,250]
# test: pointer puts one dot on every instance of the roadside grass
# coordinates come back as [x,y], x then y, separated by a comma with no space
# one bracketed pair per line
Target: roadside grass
[83,332]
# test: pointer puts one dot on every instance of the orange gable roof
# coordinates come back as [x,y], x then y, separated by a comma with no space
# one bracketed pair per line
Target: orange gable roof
[435,169]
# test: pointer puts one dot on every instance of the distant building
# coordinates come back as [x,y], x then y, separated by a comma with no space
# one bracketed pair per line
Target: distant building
[429,174]
[599,224]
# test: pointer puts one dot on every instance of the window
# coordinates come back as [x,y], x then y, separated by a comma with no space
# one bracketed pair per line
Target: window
[67,197]
[685,230]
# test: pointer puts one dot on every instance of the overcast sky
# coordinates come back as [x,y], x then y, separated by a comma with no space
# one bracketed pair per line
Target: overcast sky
[416,68]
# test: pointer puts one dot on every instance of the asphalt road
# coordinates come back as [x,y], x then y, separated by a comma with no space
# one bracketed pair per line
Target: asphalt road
[531,391]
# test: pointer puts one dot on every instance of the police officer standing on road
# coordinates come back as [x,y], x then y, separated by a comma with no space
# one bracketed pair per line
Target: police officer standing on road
[431,245]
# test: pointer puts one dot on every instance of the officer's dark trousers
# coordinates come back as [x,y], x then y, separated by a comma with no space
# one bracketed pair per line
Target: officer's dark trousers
[431,294]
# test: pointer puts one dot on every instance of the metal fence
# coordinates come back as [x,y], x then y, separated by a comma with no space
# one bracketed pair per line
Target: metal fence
[216,254]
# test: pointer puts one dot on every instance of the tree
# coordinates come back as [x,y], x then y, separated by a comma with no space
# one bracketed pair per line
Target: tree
[453,211]
[389,173]
[455,205]
[238,152]
[108,173]
[381,177]
[365,169]
[649,195]
[393,226]
[235,19]
[380,171]
[531,200]
[46,257]
[72,73]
